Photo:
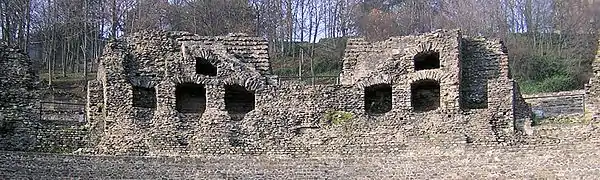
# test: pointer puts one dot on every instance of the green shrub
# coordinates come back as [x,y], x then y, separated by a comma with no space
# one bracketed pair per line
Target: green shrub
[548,62]
[337,117]
[555,83]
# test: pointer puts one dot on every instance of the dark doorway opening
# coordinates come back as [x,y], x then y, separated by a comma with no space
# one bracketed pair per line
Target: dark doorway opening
[204,67]
[378,99]
[190,98]
[238,101]
[427,60]
[144,97]
[425,95]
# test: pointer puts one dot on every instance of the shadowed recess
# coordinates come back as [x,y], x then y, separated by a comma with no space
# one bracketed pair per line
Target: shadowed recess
[427,60]
[190,98]
[238,101]
[144,97]
[378,99]
[204,67]
[425,95]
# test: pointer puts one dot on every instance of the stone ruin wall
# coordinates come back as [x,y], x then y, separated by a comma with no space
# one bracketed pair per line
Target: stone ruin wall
[592,89]
[564,160]
[372,147]
[556,152]
[293,117]
[557,104]
[287,117]
[21,128]
[17,99]
[467,67]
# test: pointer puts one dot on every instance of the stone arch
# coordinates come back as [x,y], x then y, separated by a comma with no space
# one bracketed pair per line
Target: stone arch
[431,75]
[206,62]
[425,95]
[252,83]
[190,79]
[374,80]
[425,56]
[378,98]
[231,70]
[237,72]
[141,81]
[205,67]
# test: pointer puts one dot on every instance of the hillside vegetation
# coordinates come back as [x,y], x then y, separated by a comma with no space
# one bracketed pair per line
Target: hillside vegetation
[551,62]
[539,62]
[326,57]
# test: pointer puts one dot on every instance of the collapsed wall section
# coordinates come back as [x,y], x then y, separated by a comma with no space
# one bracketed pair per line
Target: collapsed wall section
[592,97]
[253,51]
[18,100]
[486,86]
[557,104]
[21,126]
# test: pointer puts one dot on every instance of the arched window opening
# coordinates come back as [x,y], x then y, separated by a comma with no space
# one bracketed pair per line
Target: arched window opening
[425,95]
[238,101]
[190,98]
[378,99]
[204,67]
[427,60]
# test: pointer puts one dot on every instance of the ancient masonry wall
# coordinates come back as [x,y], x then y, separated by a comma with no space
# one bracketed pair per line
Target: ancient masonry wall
[295,131]
[60,136]
[566,103]
[20,126]
[17,100]
[467,67]
[592,89]
[152,98]
[568,152]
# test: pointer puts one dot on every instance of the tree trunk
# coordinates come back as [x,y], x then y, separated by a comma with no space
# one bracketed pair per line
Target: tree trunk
[114,20]
[65,50]
[28,25]
[84,50]
[2,14]
[7,26]
[290,24]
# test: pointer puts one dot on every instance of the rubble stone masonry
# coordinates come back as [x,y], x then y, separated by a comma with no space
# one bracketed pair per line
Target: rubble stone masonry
[18,98]
[592,102]
[177,105]
[214,95]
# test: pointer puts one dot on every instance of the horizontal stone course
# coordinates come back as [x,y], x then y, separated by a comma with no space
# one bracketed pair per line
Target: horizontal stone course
[567,103]
[569,161]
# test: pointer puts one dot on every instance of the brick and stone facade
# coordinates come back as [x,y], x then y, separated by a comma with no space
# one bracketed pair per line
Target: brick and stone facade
[207,107]
[169,93]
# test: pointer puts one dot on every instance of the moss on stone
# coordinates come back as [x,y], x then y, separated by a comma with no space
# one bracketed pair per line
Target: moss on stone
[337,117]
